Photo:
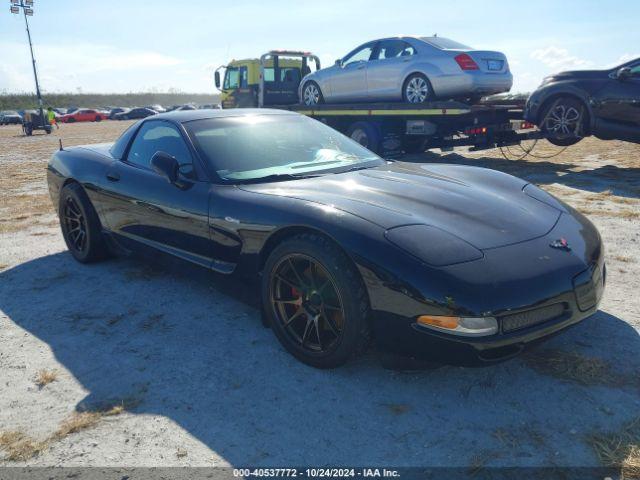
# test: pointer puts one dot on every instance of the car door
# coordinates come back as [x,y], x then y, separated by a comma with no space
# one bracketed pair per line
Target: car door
[617,107]
[143,207]
[385,70]
[349,80]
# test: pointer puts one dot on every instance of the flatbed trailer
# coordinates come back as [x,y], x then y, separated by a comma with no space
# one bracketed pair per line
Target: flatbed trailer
[390,129]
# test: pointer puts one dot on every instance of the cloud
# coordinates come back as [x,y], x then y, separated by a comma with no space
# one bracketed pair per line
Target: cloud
[559,58]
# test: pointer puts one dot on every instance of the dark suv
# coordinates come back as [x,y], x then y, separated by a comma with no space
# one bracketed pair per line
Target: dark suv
[571,105]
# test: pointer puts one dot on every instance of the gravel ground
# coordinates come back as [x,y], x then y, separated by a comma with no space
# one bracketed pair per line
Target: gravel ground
[132,363]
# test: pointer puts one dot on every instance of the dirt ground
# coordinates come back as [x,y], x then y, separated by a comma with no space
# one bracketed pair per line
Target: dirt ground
[131,363]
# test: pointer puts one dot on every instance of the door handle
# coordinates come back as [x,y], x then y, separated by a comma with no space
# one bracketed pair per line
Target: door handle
[113,176]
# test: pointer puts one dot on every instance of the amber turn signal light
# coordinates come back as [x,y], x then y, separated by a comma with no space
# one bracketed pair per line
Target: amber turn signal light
[450,323]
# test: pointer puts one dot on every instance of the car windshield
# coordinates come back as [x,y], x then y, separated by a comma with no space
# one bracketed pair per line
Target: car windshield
[445,43]
[254,147]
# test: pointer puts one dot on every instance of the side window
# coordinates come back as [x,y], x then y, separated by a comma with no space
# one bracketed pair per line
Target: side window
[394,49]
[244,81]
[635,70]
[269,76]
[361,55]
[160,137]
[231,79]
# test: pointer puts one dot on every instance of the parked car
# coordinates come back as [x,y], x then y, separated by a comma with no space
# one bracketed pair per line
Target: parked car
[135,113]
[188,106]
[114,111]
[157,108]
[571,105]
[84,115]
[409,69]
[10,117]
[455,263]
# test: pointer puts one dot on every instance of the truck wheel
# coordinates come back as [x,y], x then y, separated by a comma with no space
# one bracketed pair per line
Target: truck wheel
[563,121]
[366,134]
[416,89]
[311,94]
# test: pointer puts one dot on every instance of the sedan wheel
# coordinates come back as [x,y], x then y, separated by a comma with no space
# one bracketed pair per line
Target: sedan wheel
[315,301]
[563,122]
[311,94]
[417,89]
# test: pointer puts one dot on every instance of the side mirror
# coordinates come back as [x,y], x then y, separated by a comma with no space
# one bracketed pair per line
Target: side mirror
[216,76]
[339,62]
[166,166]
[623,73]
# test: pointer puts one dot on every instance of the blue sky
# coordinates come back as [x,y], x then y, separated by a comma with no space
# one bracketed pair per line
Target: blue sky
[122,46]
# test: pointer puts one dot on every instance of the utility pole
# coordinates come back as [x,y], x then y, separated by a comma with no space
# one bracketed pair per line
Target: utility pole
[27,10]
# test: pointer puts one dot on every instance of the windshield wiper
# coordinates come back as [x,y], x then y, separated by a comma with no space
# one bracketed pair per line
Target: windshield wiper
[275,177]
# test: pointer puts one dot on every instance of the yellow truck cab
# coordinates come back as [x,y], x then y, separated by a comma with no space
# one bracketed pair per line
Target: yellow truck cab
[272,79]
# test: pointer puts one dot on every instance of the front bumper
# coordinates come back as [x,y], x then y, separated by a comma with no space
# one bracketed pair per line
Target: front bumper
[532,289]
[404,336]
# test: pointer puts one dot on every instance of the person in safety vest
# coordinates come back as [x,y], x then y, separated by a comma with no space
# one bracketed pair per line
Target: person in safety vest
[51,116]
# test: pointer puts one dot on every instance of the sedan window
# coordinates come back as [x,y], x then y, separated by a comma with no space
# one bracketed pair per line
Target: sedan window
[394,49]
[156,137]
[362,55]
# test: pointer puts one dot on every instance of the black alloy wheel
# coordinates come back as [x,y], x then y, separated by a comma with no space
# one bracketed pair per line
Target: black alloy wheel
[307,303]
[80,225]
[315,301]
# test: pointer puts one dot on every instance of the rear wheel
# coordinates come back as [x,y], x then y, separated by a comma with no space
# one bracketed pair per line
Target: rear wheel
[563,121]
[311,94]
[80,225]
[315,301]
[417,89]
[366,134]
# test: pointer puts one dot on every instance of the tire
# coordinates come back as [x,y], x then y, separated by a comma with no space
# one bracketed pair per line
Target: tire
[71,120]
[311,94]
[74,202]
[414,145]
[417,89]
[563,121]
[330,276]
[98,119]
[366,134]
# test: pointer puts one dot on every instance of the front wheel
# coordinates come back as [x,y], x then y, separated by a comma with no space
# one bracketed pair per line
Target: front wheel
[98,119]
[563,121]
[311,94]
[417,89]
[315,301]
[80,225]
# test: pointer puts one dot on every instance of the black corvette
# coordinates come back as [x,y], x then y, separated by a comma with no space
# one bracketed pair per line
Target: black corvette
[457,264]
[571,105]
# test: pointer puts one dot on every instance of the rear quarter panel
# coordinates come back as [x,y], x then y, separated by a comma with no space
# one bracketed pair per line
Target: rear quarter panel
[82,165]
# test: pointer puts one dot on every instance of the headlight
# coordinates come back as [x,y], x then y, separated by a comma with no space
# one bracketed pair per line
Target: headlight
[432,245]
[464,326]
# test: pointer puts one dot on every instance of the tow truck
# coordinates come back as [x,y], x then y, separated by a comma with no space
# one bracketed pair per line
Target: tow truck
[389,129]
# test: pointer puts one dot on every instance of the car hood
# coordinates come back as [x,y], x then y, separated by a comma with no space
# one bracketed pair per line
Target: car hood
[580,75]
[485,207]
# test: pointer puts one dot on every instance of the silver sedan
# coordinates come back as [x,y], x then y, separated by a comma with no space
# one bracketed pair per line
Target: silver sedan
[409,69]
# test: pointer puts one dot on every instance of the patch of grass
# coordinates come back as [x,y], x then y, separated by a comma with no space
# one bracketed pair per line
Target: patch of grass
[20,447]
[577,368]
[619,449]
[75,423]
[45,377]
